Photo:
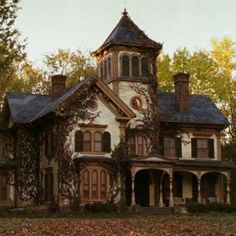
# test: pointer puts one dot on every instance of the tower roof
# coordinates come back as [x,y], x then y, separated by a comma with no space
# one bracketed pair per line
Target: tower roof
[128,33]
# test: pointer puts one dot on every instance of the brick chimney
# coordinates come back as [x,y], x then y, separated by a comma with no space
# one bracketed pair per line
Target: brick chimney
[58,85]
[181,81]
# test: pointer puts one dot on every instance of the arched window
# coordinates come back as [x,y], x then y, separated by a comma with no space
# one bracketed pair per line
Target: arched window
[78,141]
[87,142]
[86,184]
[109,67]
[101,69]
[125,65]
[103,185]
[145,67]
[97,142]
[105,69]
[94,184]
[135,66]
[106,142]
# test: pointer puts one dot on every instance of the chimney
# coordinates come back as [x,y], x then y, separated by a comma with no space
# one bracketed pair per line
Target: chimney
[58,86]
[181,81]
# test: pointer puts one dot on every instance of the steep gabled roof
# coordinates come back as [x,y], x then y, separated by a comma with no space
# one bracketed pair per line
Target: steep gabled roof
[128,33]
[201,110]
[27,108]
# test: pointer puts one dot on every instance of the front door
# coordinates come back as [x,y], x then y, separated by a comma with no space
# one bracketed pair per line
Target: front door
[49,186]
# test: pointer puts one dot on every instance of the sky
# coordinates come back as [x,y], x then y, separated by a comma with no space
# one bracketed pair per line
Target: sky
[84,24]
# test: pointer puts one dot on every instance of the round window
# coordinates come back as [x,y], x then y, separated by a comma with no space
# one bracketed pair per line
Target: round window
[93,106]
[136,103]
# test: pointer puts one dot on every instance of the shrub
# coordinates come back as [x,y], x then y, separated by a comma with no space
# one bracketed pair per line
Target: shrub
[215,207]
[100,207]
[75,205]
[53,206]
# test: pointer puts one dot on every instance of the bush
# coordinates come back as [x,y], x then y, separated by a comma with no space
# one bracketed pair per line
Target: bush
[53,207]
[75,205]
[100,207]
[215,207]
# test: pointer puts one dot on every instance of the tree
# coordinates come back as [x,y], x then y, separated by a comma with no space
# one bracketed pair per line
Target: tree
[212,73]
[72,64]
[11,48]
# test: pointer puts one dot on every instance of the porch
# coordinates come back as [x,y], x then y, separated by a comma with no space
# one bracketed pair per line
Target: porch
[159,186]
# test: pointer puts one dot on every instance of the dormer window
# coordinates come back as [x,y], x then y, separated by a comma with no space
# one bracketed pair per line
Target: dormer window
[125,65]
[135,66]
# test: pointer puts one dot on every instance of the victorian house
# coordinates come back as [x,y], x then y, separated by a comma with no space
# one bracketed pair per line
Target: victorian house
[189,167]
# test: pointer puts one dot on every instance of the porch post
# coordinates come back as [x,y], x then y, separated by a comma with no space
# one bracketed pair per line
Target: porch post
[199,189]
[133,203]
[228,189]
[171,204]
[161,204]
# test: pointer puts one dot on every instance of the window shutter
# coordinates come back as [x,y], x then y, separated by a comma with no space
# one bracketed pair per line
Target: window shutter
[161,146]
[106,142]
[78,141]
[178,147]
[211,152]
[194,147]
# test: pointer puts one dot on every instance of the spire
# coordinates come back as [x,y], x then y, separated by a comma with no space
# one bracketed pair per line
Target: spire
[125,13]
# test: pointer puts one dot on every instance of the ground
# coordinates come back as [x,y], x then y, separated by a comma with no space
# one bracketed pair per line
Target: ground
[136,226]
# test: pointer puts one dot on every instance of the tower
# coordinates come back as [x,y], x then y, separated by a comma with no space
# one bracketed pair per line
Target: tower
[127,56]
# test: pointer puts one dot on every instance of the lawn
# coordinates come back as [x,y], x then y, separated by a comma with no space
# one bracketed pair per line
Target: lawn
[139,225]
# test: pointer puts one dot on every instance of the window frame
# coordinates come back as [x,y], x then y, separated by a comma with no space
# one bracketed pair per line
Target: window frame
[97,142]
[125,71]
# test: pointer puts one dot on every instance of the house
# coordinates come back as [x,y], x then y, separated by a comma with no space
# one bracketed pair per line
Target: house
[188,167]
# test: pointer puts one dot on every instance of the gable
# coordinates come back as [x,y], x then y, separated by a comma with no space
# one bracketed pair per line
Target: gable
[27,108]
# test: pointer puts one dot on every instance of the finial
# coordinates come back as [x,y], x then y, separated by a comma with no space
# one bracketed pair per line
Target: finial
[125,13]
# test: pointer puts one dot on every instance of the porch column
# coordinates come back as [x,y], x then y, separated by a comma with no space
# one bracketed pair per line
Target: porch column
[171,204]
[199,189]
[161,204]
[228,190]
[133,203]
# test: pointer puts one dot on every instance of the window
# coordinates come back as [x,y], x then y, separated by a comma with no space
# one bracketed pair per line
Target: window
[138,145]
[49,144]
[92,141]
[86,184]
[145,67]
[135,67]
[125,65]
[171,146]
[87,142]
[136,103]
[3,188]
[132,145]
[140,150]
[94,184]
[103,185]
[97,142]
[202,148]
[101,70]
[109,67]
[105,69]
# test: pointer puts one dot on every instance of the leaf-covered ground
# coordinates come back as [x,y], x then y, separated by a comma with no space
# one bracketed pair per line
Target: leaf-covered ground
[150,225]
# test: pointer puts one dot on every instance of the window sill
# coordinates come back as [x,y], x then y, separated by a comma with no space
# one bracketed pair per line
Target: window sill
[94,153]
